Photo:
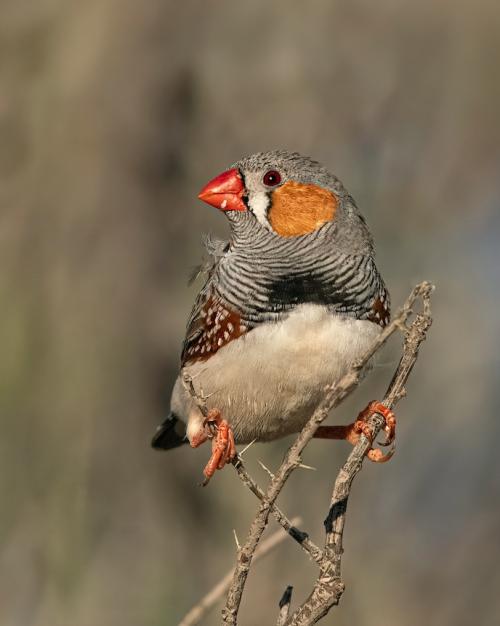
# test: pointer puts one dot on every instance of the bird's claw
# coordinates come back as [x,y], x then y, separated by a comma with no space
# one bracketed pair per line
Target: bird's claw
[223,446]
[362,427]
[211,423]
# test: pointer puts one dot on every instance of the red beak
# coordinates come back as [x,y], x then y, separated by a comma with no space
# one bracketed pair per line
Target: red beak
[225,192]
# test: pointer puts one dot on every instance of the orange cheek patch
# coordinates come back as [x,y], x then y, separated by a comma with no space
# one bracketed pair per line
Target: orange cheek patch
[298,209]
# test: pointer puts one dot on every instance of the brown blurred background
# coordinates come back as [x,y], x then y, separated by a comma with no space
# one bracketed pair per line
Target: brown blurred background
[113,113]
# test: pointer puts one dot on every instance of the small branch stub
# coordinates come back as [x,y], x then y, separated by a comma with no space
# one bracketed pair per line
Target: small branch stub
[285,602]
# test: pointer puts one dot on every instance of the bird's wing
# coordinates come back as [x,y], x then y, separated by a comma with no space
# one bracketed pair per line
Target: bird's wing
[212,323]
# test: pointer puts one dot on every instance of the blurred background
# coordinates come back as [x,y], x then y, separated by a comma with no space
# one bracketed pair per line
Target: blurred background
[113,114]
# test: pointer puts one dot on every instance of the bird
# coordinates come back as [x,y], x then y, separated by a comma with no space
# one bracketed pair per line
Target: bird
[288,304]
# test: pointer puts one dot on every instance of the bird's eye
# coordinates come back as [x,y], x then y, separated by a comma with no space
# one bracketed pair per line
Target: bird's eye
[272,178]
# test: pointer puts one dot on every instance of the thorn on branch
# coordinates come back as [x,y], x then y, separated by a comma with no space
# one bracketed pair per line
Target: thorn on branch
[307,467]
[240,454]
[238,547]
[269,473]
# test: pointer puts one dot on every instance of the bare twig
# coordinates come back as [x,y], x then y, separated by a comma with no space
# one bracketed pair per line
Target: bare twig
[334,394]
[329,587]
[199,399]
[214,595]
[301,537]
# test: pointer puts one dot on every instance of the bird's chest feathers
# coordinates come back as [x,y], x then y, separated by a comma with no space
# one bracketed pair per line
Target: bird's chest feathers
[278,371]
[309,346]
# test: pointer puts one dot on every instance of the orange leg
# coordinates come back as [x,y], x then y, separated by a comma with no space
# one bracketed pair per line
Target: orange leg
[223,447]
[352,432]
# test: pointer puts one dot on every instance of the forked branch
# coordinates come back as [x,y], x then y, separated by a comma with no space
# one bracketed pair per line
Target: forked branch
[328,587]
[198,612]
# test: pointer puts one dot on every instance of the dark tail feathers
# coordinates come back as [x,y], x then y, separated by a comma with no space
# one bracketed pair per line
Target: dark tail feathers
[170,434]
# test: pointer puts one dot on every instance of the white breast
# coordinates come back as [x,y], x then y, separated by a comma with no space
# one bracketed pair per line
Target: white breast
[268,382]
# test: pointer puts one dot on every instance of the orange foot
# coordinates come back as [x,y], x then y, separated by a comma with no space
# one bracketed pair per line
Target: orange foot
[223,448]
[352,432]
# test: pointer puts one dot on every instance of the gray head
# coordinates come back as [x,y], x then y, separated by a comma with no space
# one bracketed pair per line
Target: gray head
[289,195]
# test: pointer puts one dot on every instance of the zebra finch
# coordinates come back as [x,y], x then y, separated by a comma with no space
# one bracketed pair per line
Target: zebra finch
[289,303]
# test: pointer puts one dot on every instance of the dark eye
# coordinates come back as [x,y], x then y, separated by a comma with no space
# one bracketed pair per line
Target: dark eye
[272,178]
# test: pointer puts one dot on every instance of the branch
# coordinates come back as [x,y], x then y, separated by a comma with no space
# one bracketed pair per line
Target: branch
[329,587]
[333,396]
[195,615]
[299,536]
